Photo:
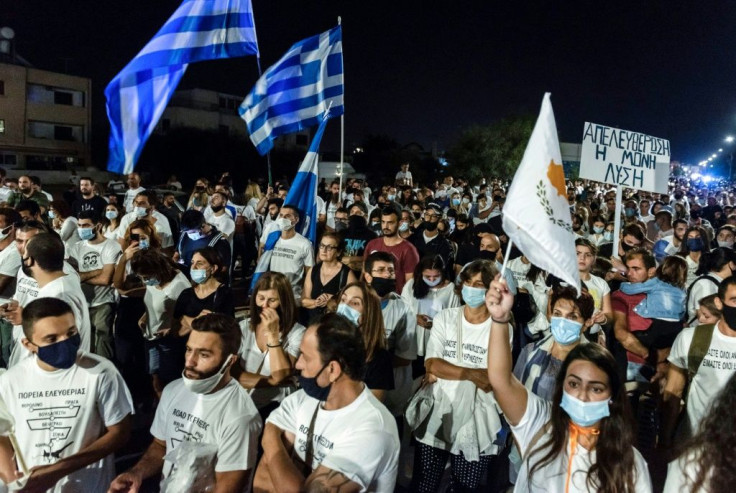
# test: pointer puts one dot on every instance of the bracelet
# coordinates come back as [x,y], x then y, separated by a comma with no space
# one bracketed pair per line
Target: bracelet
[501,321]
[275,345]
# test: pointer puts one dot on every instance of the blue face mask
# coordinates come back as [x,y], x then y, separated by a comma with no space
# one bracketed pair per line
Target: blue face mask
[608,236]
[144,244]
[348,312]
[391,197]
[598,229]
[474,297]
[455,202]
[433,283]
[140,211]
[152,282]
[312,388]
[111,214]
[584,413]
[61,354]
[199,275]
[86,233]
[629,212]
[565,331]
[695,244]
[52,215]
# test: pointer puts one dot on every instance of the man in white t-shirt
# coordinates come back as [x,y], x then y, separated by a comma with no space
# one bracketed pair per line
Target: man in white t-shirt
[219,216]
[144,208]
[9,266]
[404,177]
[205,406]
[72,409]
[134,188]
[44,261]
[333,434]
[715,347]
[399,320]
[597,286]
[95,258]
[293,253]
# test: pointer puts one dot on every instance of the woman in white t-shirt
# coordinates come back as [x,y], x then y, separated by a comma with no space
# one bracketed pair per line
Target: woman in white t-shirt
[706,464]
[164,283]
[583,439]
[462,422]
[63,222]
[428,293]
[113,214]
[270,344]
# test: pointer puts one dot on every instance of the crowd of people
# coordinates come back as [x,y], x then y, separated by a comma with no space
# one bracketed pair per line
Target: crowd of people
[395,353]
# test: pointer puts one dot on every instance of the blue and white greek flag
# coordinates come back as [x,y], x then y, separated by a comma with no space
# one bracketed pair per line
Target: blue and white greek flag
[137,96]
[302,195]
[294,93]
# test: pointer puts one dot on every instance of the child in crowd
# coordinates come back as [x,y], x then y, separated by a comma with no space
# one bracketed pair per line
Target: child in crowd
[708,313]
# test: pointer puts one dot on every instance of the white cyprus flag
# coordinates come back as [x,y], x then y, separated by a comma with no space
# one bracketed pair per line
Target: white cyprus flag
[536,216]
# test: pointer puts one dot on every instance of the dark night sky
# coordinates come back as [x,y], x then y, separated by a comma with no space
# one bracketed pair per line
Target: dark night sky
[422,71]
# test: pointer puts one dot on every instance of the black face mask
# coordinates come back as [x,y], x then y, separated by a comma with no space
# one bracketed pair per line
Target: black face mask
[430,226]
[340,226]
[27,268]
[729,315]
[487,254]
[356,222]
[625,246]
[383,286]
[416,215]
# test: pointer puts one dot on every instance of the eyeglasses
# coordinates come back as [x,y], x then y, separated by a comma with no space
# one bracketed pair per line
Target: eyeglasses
[327,248]
[384,270]
[431,216]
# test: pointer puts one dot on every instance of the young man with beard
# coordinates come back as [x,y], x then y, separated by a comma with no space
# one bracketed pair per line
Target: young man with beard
[403,251]
[332,205]
[292,253]
[333,434]
[206,406]
[88,200]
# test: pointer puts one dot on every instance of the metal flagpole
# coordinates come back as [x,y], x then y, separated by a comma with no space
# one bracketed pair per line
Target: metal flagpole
[268,154]
[617,221]
[342,130]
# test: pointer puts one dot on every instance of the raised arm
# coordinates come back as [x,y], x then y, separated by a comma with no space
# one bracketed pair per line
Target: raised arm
[508,391]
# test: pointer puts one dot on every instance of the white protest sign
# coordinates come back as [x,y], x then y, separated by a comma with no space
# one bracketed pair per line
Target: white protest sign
[629,159]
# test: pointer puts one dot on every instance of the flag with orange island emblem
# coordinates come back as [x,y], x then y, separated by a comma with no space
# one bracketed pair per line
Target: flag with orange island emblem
[536,216]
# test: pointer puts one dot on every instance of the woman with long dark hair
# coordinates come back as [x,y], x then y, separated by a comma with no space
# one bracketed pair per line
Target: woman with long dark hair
[360,304]
[428,293]
[706,464]
[583,439]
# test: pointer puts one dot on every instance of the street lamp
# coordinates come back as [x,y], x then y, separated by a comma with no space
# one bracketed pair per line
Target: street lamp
[729,139]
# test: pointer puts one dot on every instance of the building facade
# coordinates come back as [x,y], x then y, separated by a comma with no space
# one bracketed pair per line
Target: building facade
[45,119]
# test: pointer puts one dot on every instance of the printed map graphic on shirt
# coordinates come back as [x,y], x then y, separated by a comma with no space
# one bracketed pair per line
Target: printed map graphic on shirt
[188,427]
[56,420]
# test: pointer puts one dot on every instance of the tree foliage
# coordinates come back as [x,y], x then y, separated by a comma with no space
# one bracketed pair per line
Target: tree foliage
[491,150]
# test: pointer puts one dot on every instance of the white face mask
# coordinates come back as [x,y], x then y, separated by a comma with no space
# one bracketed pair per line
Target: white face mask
[205,385]
[284,224]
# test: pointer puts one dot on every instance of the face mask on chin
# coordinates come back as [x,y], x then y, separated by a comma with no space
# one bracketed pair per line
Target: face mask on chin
[206,384]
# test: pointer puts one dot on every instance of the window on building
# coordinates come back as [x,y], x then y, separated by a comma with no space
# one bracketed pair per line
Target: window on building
[63,97]
[302,140]
[2,126]
[232,104]
[223,102]
[62,132]
[52,131]
[2,88]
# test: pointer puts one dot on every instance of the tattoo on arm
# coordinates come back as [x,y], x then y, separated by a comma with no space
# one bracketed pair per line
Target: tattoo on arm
[327,480]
